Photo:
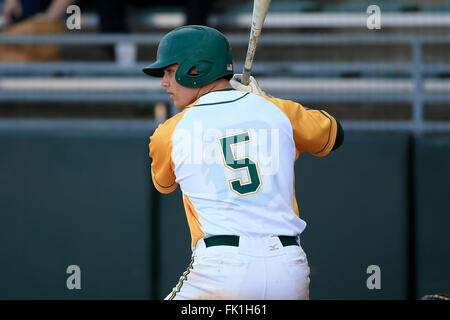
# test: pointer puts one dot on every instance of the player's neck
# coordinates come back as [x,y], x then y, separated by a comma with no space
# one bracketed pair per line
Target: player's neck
[219,84]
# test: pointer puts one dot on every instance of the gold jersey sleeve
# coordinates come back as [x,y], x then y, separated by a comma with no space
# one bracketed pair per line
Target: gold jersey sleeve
[314,131]
[162,167]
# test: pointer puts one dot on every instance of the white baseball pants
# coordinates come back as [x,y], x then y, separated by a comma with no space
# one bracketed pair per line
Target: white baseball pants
[258,269]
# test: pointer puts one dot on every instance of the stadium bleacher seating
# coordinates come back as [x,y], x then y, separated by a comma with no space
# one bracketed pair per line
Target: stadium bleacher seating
[319,69]
[276,6]
[443,7]
[361,6]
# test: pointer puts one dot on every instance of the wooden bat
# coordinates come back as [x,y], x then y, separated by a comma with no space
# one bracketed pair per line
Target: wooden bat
[260,8]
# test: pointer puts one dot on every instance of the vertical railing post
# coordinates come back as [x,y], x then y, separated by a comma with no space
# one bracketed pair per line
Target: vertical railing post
[418,126]
[125,53]
[418,108]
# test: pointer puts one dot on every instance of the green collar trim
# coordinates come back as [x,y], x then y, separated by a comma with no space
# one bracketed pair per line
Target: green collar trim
[221,102]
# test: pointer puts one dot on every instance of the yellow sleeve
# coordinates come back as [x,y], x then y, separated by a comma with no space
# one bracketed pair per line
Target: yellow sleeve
[163,168]
[314,130]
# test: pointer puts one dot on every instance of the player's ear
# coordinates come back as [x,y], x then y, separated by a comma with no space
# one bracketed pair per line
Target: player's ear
[193,71]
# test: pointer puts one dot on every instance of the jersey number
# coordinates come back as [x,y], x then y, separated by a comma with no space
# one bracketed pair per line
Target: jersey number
[237,164]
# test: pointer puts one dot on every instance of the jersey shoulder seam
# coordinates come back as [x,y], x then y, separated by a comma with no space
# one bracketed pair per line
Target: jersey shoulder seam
[269,99]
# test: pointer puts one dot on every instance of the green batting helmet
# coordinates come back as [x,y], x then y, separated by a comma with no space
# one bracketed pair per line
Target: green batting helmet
[193,46]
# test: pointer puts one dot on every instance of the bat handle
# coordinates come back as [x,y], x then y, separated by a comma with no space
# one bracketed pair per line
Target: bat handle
[254,35]
[246,76]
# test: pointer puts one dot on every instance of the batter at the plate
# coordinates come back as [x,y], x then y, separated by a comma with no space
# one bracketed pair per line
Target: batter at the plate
[240,202]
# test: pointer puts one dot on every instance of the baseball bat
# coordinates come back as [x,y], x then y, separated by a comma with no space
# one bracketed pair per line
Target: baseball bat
[260,8]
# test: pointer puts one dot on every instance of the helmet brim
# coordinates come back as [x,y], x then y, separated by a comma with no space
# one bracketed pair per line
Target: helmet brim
[156,69]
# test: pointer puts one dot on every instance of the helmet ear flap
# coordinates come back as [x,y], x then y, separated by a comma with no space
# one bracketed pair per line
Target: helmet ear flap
[187,78]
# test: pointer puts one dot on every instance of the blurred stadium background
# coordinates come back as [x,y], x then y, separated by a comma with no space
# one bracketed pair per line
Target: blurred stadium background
[75,187]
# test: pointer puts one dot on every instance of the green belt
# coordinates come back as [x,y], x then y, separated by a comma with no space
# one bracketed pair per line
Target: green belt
[234,241]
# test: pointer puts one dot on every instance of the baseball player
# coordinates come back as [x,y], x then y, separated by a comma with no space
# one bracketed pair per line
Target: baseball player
[232,151]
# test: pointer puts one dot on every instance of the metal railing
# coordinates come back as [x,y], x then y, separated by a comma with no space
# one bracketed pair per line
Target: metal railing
[416,69]
[279,20]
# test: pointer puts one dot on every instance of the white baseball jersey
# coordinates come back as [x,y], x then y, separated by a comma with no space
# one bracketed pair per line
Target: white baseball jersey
[232,153]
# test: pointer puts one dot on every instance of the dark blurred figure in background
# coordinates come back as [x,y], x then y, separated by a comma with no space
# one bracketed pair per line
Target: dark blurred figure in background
[28,17]
[112,13]
[18,10]
[47,17]
[197,11]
